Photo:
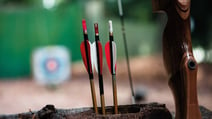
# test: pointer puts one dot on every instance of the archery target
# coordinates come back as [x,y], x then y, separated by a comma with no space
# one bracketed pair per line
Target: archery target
[51,65]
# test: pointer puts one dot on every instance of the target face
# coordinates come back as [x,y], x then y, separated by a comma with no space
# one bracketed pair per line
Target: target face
[51,65]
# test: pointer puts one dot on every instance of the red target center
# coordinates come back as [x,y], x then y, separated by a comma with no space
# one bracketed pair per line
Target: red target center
[51,65]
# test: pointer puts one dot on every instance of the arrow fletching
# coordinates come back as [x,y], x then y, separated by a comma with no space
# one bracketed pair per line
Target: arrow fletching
[109,58]
[85,49]
[86,59]
[110,50]
[95,56]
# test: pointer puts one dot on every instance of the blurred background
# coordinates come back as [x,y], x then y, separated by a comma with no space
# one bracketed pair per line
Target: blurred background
[46,26]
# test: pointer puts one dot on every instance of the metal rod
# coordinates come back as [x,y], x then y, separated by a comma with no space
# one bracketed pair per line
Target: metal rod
[126,49]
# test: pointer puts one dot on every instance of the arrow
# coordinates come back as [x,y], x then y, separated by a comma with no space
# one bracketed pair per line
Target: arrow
[85,48]
[121,14]
[110,52]
[98,64]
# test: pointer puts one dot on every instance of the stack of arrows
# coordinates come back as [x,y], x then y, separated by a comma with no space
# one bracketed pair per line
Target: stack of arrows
[93,58]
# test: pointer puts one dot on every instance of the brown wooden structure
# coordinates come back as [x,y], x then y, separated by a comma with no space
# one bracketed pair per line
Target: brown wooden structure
[138,111]
[142,111]
[178,57]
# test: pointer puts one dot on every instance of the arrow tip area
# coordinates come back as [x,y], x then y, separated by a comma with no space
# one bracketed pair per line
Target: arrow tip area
[110,26]
[86,56]
[96,28]
[84,25]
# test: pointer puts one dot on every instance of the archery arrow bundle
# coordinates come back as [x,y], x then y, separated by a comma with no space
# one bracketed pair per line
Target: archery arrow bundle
[93,58]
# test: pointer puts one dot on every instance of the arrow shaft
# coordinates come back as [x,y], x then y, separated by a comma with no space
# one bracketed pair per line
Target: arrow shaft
[115,101]
[101,85]
[103,104]
[93,93]
[86,42]
[111,55]
[88,61]
[97,54]
[112,66]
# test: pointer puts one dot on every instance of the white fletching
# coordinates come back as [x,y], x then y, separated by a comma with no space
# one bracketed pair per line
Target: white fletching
[120,8]
[94,56]
[114,56]
[110,26]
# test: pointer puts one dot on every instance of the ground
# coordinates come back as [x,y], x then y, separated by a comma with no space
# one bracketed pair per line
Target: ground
[149,77]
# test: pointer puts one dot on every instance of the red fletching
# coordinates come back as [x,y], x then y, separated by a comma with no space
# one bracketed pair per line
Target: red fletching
[84,57]
[107,54]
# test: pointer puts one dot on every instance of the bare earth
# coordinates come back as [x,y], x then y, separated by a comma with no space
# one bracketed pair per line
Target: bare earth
[148,73]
